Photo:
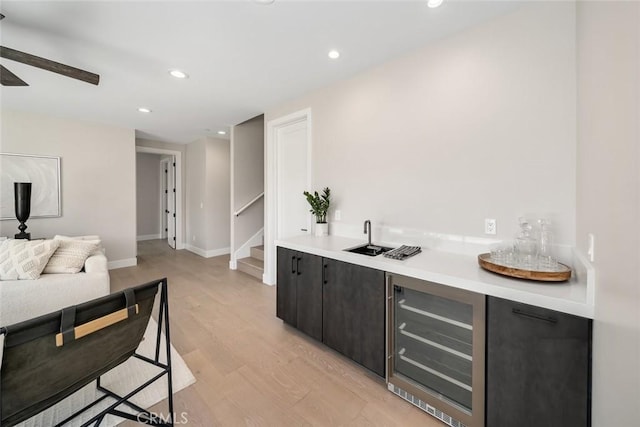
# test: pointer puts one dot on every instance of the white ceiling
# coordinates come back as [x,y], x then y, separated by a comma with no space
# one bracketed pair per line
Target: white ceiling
[242,57]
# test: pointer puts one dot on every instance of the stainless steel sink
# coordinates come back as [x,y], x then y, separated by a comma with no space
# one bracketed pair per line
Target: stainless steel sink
[369,250]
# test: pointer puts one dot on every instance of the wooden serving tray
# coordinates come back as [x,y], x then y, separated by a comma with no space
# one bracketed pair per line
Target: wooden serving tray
[562,275]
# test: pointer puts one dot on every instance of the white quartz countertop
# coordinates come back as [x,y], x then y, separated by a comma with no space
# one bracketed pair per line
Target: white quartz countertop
[459,271]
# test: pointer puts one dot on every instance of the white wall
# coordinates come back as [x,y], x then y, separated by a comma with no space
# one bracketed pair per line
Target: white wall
[148,201]
[608,202]
[207,196]
[247,168]
[218,194]
[97,173]
[195,195]
[478,125]
[248,159]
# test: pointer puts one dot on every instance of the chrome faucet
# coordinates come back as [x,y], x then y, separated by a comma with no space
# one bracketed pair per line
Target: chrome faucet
[367,225]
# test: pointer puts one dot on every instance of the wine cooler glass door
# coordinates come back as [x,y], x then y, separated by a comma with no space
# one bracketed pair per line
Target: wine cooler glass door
[437,346]
[434,344]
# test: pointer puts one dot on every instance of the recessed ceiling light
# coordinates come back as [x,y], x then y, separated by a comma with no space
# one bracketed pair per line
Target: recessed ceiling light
[144,110]
[221,132]
[178,74]
[434,3]
[264,1]
[334,54]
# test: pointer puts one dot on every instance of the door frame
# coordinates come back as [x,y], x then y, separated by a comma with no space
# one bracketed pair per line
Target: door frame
[271,185]
[179,195]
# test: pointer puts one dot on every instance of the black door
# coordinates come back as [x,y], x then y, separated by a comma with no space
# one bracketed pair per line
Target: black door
[538,367]
[309,294]
[354,313]
[286,286]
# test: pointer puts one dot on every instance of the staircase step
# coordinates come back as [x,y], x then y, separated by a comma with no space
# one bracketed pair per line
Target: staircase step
[251,266]
[257,252]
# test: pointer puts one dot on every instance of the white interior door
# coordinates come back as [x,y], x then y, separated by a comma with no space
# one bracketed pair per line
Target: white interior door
[164,197]
[287,176]
[171,202]
[292,177]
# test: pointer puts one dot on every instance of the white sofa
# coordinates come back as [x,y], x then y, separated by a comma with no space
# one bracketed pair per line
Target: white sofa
[25,299]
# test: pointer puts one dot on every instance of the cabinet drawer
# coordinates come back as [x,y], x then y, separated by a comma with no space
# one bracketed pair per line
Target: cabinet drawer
[509,316]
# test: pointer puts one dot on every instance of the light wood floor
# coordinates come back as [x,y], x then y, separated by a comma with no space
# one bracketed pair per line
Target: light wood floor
[251,369]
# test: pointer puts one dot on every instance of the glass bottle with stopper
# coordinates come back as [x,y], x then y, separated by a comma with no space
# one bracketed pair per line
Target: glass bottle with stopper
[526,246]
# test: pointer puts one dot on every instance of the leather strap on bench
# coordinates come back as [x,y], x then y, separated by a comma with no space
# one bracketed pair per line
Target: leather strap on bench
[130,301]
[67,324]
[69,332]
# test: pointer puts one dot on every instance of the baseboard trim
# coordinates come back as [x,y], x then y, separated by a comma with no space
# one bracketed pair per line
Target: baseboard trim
[208,254]
[149,237]
[266,281]
[121,263]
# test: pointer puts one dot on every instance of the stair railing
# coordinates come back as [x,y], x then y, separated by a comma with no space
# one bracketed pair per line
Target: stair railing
[246,206]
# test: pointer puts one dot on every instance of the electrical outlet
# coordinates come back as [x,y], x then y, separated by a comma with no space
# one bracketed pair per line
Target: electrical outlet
[193,238]
[337,215]
[490,226]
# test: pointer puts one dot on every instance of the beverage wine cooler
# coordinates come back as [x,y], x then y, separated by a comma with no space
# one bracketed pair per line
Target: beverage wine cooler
[436,349]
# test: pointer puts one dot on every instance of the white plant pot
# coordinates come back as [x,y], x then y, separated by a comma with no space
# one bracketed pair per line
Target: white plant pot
[321,229]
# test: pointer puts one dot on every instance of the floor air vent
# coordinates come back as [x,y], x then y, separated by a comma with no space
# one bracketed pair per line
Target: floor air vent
[425,406]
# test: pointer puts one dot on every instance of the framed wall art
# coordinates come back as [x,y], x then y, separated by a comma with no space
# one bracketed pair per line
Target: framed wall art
[44,174]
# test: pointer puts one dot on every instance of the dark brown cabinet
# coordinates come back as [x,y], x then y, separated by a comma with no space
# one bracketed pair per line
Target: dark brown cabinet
[340,304]
[299,291]
[538,367]
[354,313]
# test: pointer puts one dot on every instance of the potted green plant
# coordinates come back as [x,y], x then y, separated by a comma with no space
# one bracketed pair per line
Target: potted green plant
[319,207]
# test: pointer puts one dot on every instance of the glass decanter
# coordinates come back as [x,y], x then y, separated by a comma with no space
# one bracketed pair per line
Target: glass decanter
[525,246]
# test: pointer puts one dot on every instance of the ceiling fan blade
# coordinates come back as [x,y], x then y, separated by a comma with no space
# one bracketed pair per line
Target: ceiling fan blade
[47,64]
[7,78]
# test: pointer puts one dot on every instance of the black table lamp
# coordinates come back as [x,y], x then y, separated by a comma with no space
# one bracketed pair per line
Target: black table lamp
[22,195]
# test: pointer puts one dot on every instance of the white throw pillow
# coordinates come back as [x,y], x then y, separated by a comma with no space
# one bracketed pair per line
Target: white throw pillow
[92,238]
[24,259]
[70,256]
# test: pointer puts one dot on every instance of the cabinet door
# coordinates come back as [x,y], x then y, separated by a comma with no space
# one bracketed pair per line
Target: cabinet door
[354,313]
[286,286]
[538,367]
[338,307]
[309,294]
